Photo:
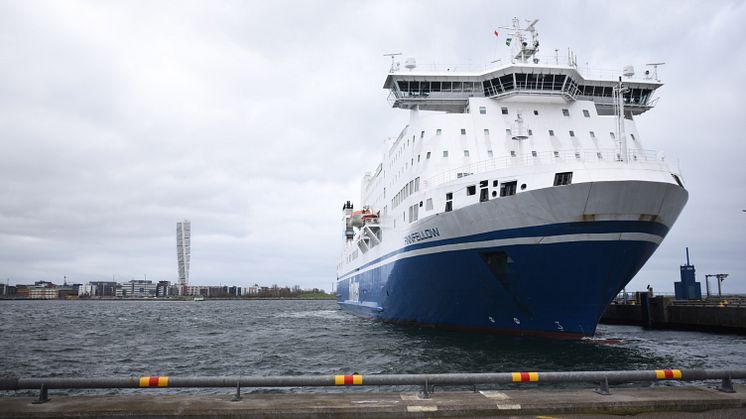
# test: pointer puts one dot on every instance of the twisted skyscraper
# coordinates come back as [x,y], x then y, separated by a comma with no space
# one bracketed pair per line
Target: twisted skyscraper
[183,252]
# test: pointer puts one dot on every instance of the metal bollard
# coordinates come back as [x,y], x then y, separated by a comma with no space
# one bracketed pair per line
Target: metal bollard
[726,386]
[603,387]
[237,396]
[43,396]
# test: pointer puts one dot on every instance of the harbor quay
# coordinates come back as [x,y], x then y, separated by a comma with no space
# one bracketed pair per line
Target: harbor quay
[718,315]
[439,395]
[663,401]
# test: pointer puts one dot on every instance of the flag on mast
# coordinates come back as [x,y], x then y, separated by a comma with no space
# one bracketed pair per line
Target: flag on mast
[497,34]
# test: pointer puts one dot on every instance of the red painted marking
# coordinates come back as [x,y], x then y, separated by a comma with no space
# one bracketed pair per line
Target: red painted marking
[525,376]
[348,380]
[153,382]
[668,373]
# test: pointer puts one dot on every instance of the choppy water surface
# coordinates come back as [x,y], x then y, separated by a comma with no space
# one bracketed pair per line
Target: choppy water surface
[180,338]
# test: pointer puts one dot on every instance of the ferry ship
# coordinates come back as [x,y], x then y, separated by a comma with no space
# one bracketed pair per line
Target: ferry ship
[519,199]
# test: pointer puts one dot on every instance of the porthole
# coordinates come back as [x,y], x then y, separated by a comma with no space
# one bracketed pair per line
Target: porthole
[523,186]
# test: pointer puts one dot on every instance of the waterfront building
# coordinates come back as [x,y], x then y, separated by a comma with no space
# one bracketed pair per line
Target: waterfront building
[98,289]
[87,290]
[43,293]
[163,289]
[139,288]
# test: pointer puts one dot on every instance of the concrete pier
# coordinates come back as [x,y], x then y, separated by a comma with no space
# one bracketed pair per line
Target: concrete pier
[727,315]
[656,401]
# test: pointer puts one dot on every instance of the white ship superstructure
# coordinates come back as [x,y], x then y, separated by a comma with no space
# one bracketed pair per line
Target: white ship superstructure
[502,176]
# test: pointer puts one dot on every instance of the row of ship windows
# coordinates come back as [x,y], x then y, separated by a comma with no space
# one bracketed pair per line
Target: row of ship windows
[504,110]
[483,110]
[512,152]
[505,189]
[411,187]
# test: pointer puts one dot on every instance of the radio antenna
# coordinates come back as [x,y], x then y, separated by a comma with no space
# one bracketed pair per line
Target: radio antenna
[394,66]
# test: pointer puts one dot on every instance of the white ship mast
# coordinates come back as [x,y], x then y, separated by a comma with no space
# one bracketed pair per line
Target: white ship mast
[525,48]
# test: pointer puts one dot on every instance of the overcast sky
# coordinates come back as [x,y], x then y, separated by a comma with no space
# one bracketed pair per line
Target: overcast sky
[256,119]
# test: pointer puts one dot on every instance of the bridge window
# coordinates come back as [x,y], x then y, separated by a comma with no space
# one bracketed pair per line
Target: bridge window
[463,131]
[507,131]
[489,153]
[530,132]
[445,153]
[427,156]
[422,134]
[593,135]
[551,133]
[536,112]
[482,110]
[566,112]
[429,204]
[504,110]
[586,113]
[611,134]
[533,153]
[471,190]
[512,153]
[466,153]
[438,131]
[572,133]
[486,132]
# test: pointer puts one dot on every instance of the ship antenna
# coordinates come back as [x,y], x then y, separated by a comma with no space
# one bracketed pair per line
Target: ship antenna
[394,66]
[655,70]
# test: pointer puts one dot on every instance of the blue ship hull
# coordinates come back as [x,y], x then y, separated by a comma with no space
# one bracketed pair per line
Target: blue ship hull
[551,289]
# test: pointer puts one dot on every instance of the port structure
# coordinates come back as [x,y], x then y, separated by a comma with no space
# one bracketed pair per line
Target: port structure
[720,278]
[183,253]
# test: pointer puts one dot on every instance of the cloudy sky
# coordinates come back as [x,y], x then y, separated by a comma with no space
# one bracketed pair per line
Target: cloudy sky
[255,120]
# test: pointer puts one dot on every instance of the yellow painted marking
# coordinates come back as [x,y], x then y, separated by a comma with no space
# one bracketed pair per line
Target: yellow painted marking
[533,376]
[339,380]
[162,381]
[516,377]
[144,381]
[676,374]
[357,379]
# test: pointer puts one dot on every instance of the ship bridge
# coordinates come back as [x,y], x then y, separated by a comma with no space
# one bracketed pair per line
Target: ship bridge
[527,75]
[449,91]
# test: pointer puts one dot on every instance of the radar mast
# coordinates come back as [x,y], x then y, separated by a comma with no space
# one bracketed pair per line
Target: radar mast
[525,48]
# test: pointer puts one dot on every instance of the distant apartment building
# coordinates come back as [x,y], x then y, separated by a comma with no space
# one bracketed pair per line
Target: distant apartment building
[139,288]
[7,290]
[43,293]
[98,289]
[163,289]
